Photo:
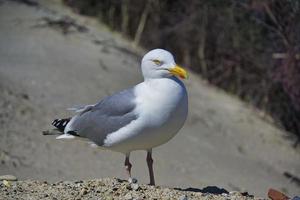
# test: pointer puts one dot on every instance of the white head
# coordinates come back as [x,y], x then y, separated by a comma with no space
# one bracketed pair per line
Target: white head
[159,63]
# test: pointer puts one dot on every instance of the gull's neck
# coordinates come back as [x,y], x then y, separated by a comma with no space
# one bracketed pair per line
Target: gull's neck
[165,82]
[174,78]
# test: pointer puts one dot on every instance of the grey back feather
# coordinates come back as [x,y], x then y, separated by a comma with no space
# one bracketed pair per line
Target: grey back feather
[107,116]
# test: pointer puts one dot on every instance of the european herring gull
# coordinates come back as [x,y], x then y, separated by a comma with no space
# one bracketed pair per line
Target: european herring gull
[139,118]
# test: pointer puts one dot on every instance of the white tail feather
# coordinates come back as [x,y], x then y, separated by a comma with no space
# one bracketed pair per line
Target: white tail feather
[92,144]
[65,136]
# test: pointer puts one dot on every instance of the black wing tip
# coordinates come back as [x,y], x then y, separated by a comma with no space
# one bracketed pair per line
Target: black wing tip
[61,124]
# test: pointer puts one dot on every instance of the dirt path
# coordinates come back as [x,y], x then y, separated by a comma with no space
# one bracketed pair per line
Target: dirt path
[47,65]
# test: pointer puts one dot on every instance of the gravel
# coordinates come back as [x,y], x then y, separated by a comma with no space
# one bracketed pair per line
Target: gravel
[106,188]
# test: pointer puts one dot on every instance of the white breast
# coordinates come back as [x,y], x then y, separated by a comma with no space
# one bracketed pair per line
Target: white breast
[162,107]
[159,99]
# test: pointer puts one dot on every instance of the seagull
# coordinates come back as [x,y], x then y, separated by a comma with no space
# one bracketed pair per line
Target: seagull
[139,118]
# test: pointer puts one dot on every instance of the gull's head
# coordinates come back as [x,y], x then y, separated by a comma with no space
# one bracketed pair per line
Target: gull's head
[159,63]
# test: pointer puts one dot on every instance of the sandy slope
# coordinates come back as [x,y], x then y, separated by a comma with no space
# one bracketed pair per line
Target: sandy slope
[43,71]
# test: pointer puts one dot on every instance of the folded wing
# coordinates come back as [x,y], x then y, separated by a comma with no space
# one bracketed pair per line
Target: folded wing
[95,122]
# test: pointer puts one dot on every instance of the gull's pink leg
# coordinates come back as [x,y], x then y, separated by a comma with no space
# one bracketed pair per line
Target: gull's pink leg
[128,166]
[150,166]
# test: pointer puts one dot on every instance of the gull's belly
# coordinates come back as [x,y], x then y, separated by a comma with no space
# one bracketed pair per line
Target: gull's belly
[147,135]
[164,127]
[161,113]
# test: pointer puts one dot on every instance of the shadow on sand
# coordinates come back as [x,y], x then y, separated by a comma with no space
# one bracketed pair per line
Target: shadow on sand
[208,189]
[211,190]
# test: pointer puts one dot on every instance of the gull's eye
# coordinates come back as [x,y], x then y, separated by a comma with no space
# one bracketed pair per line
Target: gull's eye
[157,62]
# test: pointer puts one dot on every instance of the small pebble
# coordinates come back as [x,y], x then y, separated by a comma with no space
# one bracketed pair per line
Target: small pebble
[8,178]
[6,183]
[78,181]
[224,194]
[128,196]
[120,180]
[132,180]
[183,197]
[233,192]
[108,198]
[83,192]
[134,186]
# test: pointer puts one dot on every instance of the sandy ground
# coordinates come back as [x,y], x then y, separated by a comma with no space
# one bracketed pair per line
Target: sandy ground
[45,69]
[109,189]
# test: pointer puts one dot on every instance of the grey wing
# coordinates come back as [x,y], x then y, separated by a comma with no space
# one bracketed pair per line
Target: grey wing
[107,116]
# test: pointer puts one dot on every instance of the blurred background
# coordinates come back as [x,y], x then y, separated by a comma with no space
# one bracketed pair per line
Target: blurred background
[248,48]
[243,128]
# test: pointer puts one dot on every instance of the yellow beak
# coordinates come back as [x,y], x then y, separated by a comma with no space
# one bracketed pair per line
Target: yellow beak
[179,71]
